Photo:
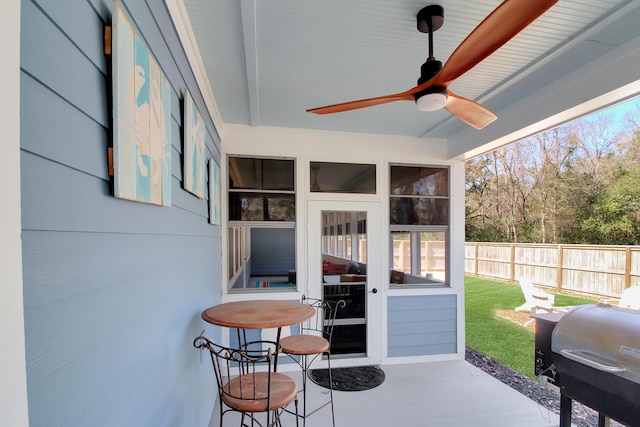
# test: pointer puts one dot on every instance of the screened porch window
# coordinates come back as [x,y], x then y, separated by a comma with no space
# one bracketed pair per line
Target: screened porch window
[419,225]
[262,233]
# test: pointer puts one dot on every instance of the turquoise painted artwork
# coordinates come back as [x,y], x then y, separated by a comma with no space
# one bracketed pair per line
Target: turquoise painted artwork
[214,192]
[141,118]
[194,144]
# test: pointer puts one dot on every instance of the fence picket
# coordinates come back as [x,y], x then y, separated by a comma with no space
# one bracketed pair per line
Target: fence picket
[599,270]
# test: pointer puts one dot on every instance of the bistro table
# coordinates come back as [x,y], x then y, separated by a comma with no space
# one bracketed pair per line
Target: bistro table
[258,314]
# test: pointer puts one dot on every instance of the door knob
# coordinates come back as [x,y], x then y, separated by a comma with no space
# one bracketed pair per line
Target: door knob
[374,290]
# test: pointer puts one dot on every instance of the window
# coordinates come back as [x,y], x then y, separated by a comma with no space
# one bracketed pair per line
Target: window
[261,207]
[344,235]
[261,189]
[352,178]
[262,214]
[419,225]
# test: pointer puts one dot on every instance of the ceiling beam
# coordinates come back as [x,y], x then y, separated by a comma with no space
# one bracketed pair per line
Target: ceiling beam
[604,82]
[249,31]
[187,37]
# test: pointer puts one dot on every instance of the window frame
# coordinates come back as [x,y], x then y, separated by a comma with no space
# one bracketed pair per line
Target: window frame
[239,231]
[415,231]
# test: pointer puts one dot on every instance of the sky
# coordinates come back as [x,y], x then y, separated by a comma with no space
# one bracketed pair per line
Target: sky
[611,132]
[621,109]
[617,122]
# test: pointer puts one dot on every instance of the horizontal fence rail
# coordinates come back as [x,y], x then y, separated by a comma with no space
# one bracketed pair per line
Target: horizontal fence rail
[598,270]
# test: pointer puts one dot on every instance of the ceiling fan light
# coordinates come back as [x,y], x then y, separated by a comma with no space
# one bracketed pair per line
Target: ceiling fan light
[432,101]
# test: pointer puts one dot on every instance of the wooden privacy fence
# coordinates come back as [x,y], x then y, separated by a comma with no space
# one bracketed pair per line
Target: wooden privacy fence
[598,270]
[432,256]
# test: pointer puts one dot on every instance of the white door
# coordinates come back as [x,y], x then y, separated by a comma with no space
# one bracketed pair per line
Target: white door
[344,233]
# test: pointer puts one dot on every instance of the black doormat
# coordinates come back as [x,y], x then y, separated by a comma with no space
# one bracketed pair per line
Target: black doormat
[349,379]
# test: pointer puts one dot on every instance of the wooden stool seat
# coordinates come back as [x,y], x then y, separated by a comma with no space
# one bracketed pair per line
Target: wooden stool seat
[255,389]
[304,344]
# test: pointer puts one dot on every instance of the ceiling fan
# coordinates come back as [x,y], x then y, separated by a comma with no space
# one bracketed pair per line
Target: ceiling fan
[431,93]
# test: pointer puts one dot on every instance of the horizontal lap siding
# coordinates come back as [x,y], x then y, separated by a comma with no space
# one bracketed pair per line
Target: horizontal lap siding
[421,325]
[113,289]
[273,252]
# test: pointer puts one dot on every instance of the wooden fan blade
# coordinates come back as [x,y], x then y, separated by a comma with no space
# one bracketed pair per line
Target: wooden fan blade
[506,21]
[363,103]
[469,111]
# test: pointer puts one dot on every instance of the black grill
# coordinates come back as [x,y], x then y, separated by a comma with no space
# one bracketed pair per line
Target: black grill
[592,353]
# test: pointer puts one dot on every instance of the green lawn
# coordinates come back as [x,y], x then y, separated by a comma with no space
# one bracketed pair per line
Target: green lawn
[502,340]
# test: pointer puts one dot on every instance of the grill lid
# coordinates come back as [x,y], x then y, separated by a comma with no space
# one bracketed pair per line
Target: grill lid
[604,337]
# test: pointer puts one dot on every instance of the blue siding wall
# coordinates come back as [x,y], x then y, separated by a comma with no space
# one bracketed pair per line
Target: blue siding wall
[273,251]
[421,325]
[113,289]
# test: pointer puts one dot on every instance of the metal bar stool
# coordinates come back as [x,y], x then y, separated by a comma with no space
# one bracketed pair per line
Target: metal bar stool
[313,341]
[247,382]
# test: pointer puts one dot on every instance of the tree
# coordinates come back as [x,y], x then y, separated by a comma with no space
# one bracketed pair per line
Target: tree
[615,215]
[578,183]
[480,201]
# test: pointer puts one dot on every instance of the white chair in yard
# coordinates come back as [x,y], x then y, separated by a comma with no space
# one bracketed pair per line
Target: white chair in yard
[536,300]
[630,298]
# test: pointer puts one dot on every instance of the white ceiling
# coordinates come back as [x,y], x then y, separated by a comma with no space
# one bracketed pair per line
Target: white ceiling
[268,61]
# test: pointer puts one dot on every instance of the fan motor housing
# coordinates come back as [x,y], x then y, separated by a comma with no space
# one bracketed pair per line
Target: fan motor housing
[428,70]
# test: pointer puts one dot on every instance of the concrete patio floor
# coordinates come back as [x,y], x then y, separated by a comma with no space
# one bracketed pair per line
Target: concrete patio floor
[452,393]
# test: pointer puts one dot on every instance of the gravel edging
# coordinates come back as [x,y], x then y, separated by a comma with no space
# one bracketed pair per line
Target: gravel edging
[548,396]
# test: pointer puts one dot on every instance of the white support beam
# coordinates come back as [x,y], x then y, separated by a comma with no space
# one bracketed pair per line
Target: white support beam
[249,30]
[13,373]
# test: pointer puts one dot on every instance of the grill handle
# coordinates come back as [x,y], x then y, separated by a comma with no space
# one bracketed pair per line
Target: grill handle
[569,354]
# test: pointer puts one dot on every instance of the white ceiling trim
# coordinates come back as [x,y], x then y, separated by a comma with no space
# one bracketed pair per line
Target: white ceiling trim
[303,134]
[180,19]
[333,146]
[249,32]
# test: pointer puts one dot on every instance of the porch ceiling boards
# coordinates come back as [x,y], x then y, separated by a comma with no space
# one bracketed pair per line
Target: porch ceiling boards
[269,60]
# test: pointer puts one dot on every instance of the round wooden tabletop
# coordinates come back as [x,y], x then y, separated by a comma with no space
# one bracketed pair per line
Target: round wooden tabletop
[258,314]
